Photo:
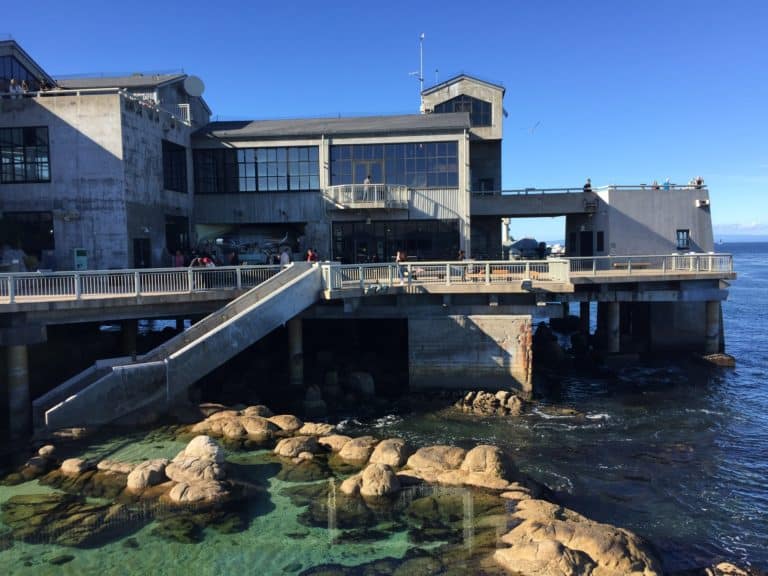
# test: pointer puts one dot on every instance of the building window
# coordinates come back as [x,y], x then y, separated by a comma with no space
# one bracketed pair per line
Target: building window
[415,164]
[479,110]
[683,239]
[280,169]
[174,167]
[600,241]
[24,155]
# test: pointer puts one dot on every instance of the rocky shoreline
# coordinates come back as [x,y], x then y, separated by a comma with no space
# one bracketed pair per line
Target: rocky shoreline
[525,532]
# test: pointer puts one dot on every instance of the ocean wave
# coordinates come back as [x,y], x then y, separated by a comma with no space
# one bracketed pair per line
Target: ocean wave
[599,416]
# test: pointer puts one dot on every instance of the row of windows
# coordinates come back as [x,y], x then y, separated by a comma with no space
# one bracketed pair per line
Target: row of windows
[24,155]
[280,169]
[415,164]
[479,110]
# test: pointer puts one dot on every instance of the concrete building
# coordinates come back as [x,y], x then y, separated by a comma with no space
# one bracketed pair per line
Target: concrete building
[121,171]
[96,172]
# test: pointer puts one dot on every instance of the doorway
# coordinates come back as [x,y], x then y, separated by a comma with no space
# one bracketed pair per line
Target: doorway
[142,257]
[586,244]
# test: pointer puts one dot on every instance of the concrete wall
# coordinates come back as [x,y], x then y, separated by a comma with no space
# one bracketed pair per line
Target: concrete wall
[489,352]
[85,193]
[645,221]
[147,202]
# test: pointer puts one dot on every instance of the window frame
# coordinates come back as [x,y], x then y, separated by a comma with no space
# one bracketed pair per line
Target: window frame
[683,239]
[12,147]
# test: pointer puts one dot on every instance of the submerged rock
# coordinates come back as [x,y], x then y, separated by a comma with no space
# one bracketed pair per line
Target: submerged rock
[66,519]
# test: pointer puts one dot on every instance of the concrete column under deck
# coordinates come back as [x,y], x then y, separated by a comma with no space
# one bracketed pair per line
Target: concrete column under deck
[19,407]
[475,351]
[584,317]
[712,330]
[612,331]
[129,330]
[295,353]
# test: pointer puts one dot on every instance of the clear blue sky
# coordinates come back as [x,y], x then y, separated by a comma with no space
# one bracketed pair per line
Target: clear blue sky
[620,91]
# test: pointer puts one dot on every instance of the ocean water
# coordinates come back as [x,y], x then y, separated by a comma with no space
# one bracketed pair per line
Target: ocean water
[670,449]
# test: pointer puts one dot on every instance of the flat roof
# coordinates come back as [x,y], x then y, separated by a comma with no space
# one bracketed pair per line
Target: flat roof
[314,127]
[132,81]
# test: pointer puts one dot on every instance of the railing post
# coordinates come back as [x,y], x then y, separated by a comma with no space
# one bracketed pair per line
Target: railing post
[487,273]
[136,283]
[664,265]
[12,288]
[629,267]
[78,286]
[527,269]
[190,279]
[698,263]
[239,278]
[362,279]
[594,266]
[390,272]
[410,274]
[447,274]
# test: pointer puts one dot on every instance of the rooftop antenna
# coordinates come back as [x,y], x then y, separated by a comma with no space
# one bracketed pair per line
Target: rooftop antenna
[436,72]
[421,71]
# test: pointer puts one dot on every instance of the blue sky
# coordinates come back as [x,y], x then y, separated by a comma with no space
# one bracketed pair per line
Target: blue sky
[622,91]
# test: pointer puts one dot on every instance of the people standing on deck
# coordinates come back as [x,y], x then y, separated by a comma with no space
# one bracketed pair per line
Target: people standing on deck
[399,260]
[588,185]
[285,258]
[15,88]
[667,184]
[367,188]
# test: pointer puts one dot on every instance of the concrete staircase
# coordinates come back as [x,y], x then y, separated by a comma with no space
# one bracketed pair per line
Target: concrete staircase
[111,389]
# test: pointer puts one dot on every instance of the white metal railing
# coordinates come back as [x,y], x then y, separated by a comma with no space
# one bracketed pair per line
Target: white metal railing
[37,286]
[656,264]
[34,286]
[367,196]
[579,189]
[366,276]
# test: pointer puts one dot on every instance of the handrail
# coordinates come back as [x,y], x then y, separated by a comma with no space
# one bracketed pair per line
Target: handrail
[580,189]
[665,264]
[367,195]
[82,285]
[91,284]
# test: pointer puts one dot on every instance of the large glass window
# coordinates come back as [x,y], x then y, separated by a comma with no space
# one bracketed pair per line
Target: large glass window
[683,239]
[414,164]
[479,110]
[174,167]
[24,155]
[279,169]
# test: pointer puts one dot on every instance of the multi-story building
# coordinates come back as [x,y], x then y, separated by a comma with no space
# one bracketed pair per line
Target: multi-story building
[95,172]
[115,172]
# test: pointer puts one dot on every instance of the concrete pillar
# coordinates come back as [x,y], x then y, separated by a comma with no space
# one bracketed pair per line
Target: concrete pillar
[613,333]
[712,333]
[19,407]
[295,353]
[584,317]
[129,329]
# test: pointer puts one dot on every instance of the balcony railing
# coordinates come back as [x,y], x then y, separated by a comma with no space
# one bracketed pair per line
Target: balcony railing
[34,286]
[352,196]
[651,264]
